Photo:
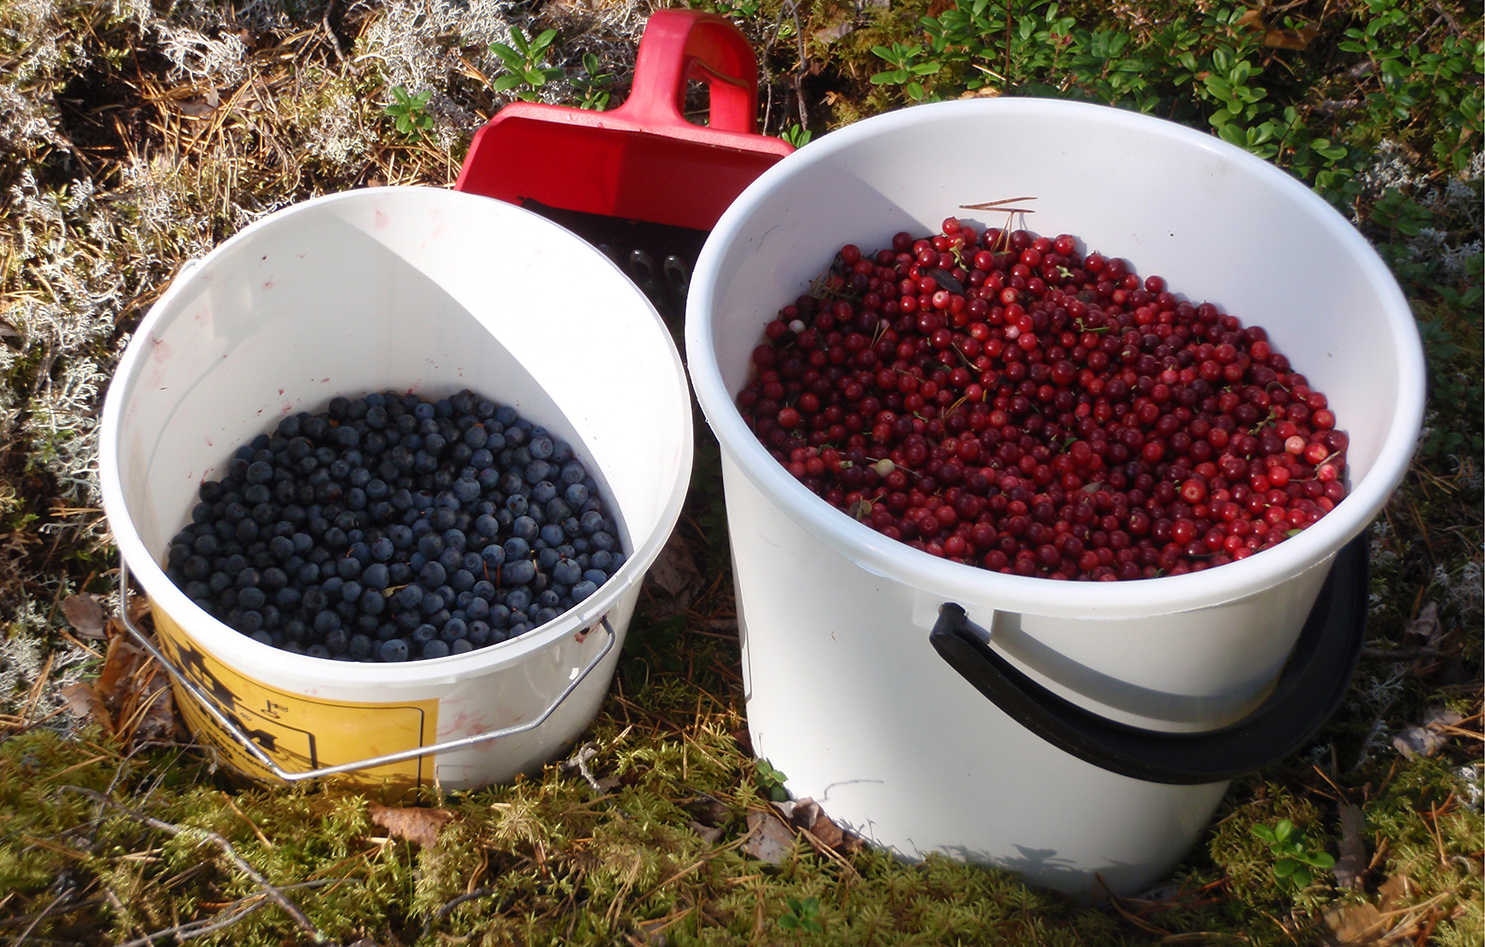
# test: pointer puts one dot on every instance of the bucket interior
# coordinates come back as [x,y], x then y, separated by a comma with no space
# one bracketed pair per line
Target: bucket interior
[1217,223]
[407,289]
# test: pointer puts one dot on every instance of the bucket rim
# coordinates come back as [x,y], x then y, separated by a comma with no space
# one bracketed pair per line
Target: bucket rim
[880,555]
[295,670]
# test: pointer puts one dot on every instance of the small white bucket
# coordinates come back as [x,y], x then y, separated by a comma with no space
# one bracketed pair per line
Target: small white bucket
[845,694]
[410,289]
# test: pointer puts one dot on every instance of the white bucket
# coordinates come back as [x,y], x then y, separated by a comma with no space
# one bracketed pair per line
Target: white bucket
[411,289]
[844,694]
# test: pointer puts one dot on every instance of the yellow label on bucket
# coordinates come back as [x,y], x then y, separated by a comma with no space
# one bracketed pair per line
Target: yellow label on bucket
[299,733]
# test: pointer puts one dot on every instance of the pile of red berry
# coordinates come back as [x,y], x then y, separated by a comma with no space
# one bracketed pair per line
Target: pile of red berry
[1000,400]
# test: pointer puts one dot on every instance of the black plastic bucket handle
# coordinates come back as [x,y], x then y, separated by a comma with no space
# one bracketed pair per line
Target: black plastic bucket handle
[1308,691]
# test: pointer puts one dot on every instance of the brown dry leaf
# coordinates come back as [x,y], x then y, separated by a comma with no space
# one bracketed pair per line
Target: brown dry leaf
[744,740]
[1351,866]
[768,838]
[1429,737]
[710,812]
[85,615]
[806,814]
[708,833]
[83,699]
[121,667]
[827,831]
[1249,20]
[1356,925]
[675,570]
[411,823]
[837,24]
[157,721]
[1426,625]
[983,92]
[1290,39]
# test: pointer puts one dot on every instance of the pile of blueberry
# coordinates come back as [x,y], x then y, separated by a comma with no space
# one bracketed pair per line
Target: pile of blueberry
[391,528]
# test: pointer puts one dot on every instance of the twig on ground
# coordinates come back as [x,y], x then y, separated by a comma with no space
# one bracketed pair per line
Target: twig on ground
[274,893]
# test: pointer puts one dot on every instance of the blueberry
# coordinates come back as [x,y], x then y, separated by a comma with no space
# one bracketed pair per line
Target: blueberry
[517,599]
[411,596]
[518,572]
[493,555]
[430,544]
[451,560]
[526,528]
[375,576]
[583,589]
[394,649]
[552,535]
[596,576]
[517,547]
[282,547]
[537,471]
[567,572]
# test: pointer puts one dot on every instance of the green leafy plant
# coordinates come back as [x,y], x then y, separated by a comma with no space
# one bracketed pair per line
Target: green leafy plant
[906,69]
[409,113]
[594,84]
[1294,860]
[797,135]
[524,62]
[735,9]
[800,916]
[771,781]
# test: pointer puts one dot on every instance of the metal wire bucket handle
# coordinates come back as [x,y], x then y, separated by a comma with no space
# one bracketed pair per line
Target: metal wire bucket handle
[257,753]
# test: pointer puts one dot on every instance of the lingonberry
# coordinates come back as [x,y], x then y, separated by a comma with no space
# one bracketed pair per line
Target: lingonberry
[1032,411]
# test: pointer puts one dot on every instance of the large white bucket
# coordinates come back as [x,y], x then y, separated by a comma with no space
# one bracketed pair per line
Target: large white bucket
[845,693]
[426,291]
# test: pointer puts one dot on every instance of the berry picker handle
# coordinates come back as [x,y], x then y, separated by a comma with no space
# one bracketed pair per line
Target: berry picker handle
[1308,692]
[679,45]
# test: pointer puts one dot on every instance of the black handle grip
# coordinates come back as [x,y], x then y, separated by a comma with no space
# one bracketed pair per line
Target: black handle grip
[1307,693]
